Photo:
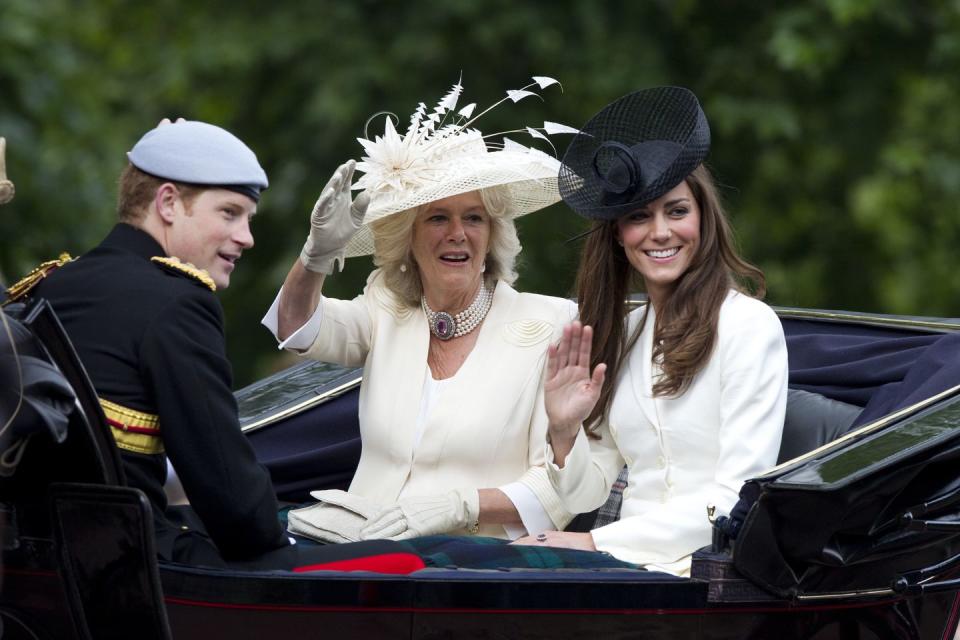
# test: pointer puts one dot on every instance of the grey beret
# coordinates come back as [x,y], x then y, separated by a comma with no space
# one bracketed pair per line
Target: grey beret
[199,153]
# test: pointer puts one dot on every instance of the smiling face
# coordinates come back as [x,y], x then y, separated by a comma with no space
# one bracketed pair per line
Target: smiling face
[211,231]
[449,245]
[661,239]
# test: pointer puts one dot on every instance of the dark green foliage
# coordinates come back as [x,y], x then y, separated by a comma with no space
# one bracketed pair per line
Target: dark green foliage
[836,122]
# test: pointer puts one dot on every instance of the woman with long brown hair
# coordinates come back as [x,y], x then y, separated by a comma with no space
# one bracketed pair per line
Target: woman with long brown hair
[694,399]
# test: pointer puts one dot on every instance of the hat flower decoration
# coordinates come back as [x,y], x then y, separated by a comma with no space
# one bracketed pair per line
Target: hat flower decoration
[442,153]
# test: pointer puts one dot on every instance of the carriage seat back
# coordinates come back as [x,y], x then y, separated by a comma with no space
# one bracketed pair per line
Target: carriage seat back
[813,420]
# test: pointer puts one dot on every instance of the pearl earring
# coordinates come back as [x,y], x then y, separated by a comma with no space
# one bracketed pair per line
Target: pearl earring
[403,267]
[483,267]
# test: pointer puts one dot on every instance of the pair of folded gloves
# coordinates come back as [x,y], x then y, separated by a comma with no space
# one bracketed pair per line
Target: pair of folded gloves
[343,517]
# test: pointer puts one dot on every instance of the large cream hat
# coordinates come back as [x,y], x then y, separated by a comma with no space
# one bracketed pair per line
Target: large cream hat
[442,155]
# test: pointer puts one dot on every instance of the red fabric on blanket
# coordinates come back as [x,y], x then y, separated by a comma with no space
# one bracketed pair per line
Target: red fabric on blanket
[397,563]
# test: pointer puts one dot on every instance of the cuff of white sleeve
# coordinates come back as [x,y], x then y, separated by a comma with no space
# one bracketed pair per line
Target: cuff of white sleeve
[567,479]
[301,339]
[532,514]
[578,454]
[536,480]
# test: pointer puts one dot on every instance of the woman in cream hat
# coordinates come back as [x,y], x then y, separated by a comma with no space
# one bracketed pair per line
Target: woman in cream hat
[451,415]
[688,391]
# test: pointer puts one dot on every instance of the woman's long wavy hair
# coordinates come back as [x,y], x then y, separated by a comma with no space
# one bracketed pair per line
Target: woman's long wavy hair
[686,326]
[393,247]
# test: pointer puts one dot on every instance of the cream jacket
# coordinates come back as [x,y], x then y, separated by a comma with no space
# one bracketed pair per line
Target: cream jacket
[687,452]
[488,426]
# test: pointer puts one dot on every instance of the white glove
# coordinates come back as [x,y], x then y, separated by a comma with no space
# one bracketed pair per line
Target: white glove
[337,517]
[426,515]
[333,222]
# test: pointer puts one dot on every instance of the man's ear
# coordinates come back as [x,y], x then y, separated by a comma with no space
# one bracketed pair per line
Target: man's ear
[167,202]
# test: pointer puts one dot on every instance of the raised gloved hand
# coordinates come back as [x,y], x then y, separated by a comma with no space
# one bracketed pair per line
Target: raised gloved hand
[426,515]
[333,222]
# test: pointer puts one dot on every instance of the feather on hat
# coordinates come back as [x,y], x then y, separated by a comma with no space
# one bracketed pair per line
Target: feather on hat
[441,154]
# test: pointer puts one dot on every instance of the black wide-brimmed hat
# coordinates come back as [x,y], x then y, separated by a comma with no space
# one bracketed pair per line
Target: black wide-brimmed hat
[633,151]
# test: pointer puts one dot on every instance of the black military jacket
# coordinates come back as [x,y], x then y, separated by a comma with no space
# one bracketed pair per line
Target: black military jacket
[152,340]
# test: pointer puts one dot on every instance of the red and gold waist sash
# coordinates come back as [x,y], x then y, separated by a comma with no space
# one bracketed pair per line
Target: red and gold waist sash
[133,430]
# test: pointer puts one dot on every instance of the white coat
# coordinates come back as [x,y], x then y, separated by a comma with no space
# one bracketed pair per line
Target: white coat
[683,453]
[488,426]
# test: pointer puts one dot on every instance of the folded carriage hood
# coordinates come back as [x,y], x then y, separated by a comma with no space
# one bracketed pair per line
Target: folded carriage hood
[834,521]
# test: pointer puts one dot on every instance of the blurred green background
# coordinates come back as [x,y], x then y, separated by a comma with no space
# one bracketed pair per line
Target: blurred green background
[836,123]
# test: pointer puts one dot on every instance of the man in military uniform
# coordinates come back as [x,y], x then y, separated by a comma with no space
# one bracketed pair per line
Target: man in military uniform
[141,312]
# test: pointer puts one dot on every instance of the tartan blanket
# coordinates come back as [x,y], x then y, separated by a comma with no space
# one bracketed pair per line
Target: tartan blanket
[479,552]
[493,553]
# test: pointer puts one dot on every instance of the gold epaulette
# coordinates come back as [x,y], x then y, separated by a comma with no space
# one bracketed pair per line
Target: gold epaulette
[187,269]
[133,430]
[23,287]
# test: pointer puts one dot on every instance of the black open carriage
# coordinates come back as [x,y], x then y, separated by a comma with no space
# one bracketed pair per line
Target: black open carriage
[857,539]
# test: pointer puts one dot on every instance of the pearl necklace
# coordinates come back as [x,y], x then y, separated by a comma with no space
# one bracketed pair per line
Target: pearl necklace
[446,326]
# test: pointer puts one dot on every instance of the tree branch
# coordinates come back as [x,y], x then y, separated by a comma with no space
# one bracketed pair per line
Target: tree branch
[6,187]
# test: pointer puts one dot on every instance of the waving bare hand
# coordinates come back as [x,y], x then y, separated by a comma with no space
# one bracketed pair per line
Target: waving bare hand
[570,391]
